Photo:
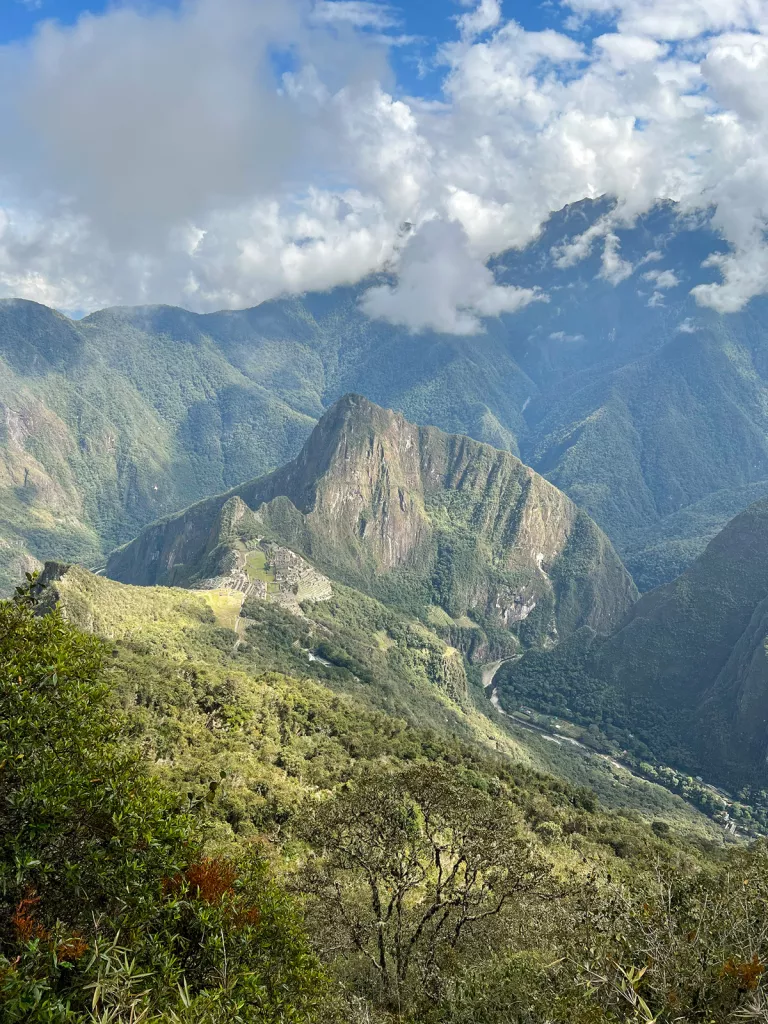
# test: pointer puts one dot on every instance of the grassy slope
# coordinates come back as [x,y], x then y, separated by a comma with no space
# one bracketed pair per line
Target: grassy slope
[277,723]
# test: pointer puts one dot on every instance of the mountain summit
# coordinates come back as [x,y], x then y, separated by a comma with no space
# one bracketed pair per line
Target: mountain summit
[409,514]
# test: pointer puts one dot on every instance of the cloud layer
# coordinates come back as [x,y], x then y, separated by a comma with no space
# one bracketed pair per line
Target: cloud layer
[235,150]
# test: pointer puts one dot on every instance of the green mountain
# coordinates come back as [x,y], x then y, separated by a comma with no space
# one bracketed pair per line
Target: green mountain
[102,429]
[129,414]
[648,411]
[410,515]
[684,677]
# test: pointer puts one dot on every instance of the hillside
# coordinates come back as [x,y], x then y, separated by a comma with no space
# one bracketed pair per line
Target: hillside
[129,414]
[685,676]
[348,653]
[202,822]
[102,431]
[412,516]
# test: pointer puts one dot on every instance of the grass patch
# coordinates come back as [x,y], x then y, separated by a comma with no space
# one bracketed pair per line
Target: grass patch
[256,567]
[226,605]
[438,617]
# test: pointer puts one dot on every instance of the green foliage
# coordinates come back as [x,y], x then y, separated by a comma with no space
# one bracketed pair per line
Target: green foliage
[107,905]
[407,865]
[499,889]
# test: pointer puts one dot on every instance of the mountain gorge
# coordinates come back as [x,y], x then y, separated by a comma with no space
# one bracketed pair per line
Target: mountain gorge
[684,677]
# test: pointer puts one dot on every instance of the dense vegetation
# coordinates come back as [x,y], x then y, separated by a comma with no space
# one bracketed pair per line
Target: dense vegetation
[109,908]
[200,844]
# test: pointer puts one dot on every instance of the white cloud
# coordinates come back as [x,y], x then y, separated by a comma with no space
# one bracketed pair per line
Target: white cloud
[651,257]
[662,279]
[155,154]
[686,327]
[614,269]
[358,13]
[485,16]
[623,51]
[442,287]
[562,336]
[676,19]
[574,250]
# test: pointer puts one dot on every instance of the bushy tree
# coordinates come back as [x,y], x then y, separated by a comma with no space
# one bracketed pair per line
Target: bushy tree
[406,864]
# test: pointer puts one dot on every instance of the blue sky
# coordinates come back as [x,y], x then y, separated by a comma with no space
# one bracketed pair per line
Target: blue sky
[431,18]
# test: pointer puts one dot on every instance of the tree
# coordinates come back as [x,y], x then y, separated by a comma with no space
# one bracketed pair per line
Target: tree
[406,864]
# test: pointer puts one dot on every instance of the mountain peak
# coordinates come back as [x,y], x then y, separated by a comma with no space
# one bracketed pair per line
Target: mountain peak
[409,514]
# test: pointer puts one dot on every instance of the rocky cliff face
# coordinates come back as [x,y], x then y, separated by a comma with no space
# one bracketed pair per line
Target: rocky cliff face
[414,516]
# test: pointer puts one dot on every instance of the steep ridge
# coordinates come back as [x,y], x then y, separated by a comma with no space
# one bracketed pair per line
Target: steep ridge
[686,673]
[412,516]
[102,431]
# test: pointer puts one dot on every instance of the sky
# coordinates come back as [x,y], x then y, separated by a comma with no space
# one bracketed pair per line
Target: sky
[219,153]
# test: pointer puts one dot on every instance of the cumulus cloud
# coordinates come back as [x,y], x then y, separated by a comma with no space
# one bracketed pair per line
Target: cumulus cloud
[676,19]
[614,269]
[222,152]
[484,17]
[662,279]
[442,287]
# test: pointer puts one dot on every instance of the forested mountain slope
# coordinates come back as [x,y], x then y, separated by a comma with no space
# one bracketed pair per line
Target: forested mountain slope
[347,656]
[685,676]
[648,410]
[410,515]
[198,827]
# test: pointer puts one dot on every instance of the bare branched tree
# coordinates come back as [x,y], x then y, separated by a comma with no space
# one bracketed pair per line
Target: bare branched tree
[405,864]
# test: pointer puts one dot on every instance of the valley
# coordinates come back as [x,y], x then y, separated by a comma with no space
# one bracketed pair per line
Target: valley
[394,644]
[732,816]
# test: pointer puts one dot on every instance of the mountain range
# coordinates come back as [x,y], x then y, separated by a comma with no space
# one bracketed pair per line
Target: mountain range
[339,650]
[497,563]
[646,409]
